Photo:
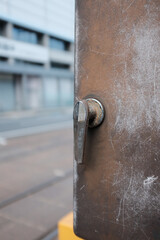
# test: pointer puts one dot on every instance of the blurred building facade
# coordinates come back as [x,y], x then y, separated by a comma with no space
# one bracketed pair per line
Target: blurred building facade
[36,54]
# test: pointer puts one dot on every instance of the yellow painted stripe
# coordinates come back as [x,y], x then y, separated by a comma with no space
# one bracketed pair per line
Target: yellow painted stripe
[65,228]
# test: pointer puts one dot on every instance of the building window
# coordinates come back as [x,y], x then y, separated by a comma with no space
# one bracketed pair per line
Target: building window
[2,28]
[24,35]
[59,44]
[28,63]
[3,59]
[59,65]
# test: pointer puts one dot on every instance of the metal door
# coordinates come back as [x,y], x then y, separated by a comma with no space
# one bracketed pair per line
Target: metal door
[117,186]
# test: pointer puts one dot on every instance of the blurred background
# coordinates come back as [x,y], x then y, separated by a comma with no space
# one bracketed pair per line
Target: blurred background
[36,102]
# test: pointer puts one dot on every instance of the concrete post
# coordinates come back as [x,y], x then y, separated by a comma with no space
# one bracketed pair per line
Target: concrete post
[45,43]
[43,91]
[71,47]
[24,92]
[9,30]
[9,34]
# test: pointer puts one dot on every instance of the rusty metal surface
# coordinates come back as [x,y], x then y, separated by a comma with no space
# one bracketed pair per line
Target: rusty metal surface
[117,191]
[96,112]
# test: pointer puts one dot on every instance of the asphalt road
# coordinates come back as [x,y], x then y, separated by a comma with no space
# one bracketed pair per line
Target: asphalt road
[35,184]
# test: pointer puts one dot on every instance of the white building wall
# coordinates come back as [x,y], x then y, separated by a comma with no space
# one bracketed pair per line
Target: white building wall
[36,90]
[55,17]
[24,51]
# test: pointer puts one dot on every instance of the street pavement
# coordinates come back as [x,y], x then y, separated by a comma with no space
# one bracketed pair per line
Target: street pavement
[35,184]
[18,124]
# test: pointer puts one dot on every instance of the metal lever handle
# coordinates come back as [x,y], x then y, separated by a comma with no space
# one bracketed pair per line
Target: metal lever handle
[87,113]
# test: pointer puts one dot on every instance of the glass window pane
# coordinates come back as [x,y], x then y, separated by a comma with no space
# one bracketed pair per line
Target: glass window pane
[57,44]
[2,26]
[21,34]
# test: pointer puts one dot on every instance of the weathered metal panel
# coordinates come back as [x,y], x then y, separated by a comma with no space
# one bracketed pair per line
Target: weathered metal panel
[117,190]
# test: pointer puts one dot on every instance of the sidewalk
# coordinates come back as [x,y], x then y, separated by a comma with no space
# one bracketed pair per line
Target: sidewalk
[27,123]
[35,184]
[36,112]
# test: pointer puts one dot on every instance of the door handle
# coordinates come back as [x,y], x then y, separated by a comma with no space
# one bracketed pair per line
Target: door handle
[88,113]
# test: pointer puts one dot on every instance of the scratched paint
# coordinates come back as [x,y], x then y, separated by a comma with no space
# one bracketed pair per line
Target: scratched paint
[75,194]
[137,99]
[76,56]
[142,86]
[118,60]
[139,198]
